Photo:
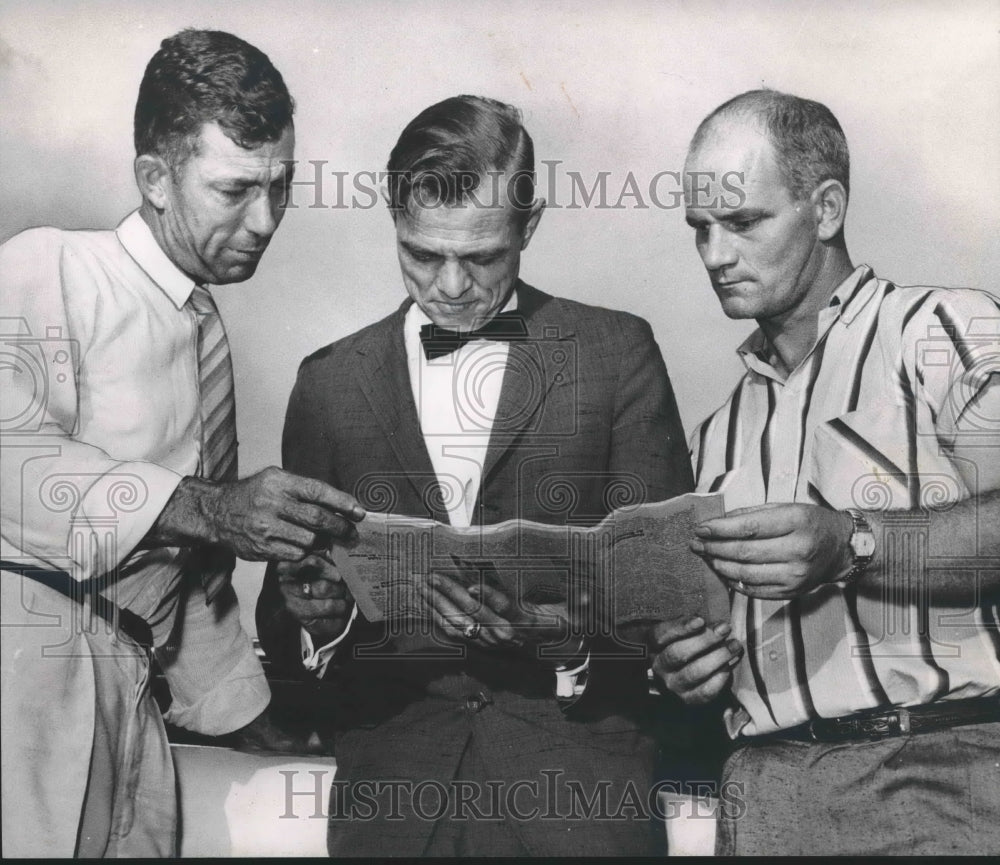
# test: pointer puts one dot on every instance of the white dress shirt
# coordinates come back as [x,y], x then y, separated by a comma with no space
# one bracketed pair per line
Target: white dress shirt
[102,385]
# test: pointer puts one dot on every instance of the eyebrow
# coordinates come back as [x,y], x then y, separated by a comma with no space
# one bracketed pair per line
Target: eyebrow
[478,253]
[741,215]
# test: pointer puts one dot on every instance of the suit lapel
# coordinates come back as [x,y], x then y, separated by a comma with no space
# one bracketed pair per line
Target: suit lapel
[533,367]
[386,378]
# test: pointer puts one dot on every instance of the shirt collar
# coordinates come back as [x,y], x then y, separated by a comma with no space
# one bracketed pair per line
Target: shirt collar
[853,294]
[845,303]
[138,240]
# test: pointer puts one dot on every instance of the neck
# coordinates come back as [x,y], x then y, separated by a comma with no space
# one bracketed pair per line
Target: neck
[152,217]
[792,335]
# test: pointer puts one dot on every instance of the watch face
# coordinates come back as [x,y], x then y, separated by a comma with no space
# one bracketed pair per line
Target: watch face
[863,543]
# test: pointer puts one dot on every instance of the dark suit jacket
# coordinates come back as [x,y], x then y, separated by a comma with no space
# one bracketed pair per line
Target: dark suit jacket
[586,422]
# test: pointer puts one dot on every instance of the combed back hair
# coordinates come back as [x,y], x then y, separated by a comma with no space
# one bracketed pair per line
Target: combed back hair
[449,150]
[807,139]
[201,76]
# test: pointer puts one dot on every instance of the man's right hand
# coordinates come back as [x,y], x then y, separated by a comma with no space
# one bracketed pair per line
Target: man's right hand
[270,516]
[316,596]
[693,660]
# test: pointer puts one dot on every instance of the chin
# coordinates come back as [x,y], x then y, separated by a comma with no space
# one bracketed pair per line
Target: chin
[236,274]
[738,311]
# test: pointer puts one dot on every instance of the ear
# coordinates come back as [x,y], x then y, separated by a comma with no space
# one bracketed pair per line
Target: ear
[830,204]
[152,176]
[384,190]
[537,206]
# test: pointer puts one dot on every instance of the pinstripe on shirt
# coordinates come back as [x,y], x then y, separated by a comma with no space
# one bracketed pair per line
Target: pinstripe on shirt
[867,420]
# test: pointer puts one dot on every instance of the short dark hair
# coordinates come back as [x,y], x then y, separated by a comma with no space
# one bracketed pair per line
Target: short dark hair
[201,76]
[807,139]
[446,150]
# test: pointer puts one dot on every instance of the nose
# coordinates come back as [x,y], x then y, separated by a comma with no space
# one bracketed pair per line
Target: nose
[453,279]
[717,250]
[263,215]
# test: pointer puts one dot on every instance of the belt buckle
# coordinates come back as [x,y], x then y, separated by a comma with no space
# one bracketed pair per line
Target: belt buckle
[846,729]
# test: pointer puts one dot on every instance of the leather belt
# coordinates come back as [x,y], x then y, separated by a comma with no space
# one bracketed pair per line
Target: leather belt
[124,620]
[885,723]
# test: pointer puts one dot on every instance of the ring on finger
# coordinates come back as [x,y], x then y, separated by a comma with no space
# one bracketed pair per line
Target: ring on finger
[742,586]
[471,631]
[307,589]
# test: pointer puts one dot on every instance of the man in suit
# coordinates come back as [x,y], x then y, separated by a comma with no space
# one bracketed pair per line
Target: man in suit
[481,399]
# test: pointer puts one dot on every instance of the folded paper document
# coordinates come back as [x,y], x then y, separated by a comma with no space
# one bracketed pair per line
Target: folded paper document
[633,566]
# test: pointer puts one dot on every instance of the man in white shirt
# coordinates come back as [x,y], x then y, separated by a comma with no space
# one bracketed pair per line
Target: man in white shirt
[122,512]
[480,400]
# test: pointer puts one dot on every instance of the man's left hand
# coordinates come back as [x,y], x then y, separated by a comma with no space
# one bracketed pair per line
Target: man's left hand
[502,622]
[777,551]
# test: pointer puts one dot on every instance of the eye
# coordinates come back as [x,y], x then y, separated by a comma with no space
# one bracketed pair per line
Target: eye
[232,194]
[483,260]
[743,225]
[422,257]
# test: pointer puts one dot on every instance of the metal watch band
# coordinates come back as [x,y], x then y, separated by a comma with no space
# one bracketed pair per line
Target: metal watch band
[861,561]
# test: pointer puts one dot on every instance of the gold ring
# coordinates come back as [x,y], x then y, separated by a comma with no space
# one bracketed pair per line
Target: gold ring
[307,589]
[470,632]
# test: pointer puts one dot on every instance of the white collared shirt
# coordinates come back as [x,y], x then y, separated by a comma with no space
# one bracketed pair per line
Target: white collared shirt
[104,390]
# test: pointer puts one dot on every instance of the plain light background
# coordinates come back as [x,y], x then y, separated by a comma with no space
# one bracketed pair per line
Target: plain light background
[614,87]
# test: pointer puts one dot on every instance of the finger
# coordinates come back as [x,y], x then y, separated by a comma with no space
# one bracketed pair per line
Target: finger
[761,522]
[454,592]
[682,652]
[770,574]
[701,669]
[767,506]
[322,589]
[453,620]
[311,567]
[285,535]
[495,600]
[708,690]
[311,490]
[307,608]
[318,519]
[675,629]
[754,550]
[457,605]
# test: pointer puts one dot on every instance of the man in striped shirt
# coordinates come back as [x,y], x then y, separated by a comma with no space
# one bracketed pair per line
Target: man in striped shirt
[860,672]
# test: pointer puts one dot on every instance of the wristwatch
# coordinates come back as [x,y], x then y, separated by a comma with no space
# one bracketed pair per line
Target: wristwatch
[862,543]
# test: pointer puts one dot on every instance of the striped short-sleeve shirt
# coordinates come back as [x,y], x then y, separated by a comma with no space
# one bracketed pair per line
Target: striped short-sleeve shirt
[867,420]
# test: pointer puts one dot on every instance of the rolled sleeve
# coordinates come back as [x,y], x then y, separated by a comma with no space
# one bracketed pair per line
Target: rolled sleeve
[214,674]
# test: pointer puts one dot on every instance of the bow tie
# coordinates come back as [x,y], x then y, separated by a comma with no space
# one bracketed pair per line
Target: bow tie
[439,341]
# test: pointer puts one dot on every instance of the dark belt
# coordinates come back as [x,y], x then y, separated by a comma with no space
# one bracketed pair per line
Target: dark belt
[127,622]
[886,723]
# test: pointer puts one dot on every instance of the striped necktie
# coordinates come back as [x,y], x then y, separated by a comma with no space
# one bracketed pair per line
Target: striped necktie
[218,424]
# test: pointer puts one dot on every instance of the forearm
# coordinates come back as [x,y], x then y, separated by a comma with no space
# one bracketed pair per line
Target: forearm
[186,519]
[962,547]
